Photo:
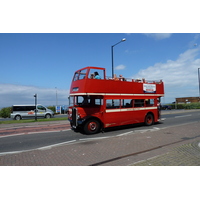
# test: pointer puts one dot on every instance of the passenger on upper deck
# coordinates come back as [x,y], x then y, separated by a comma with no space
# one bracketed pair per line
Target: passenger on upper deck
[121,78]
[92,76]
[115,77]
[96,75]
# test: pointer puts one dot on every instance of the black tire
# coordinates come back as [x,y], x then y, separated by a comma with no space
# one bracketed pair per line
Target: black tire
[149,119]
[18,117]
[92,126]
[48,116]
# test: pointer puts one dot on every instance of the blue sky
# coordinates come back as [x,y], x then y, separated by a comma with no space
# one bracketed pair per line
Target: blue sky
[43,42]
[41,62]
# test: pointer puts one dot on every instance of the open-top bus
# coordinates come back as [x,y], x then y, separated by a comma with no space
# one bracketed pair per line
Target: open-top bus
[96,104]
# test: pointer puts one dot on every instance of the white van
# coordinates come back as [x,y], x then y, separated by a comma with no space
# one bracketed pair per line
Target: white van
[28,111]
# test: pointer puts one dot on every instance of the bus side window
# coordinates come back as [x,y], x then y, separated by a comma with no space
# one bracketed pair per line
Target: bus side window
[112,103]
[139,103]
[149,102]
[127,103]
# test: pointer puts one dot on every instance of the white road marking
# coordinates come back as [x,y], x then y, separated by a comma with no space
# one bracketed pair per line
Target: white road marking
[40,148]
[98,138]
[125,133]
[54,145]
[156,128]
[182,116]
[12,135]
[13,152]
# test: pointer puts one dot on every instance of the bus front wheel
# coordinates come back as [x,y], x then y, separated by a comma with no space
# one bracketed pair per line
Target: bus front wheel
[92,126]
[149,119]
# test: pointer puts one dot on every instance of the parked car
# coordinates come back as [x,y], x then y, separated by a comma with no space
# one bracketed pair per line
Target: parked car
[166,107]
[28,111]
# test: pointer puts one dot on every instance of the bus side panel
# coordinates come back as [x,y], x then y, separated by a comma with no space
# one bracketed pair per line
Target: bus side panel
[142,115]
[112,118]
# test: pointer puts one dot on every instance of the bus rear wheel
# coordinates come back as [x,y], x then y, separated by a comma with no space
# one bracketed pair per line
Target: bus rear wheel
[149,119]
[91,127]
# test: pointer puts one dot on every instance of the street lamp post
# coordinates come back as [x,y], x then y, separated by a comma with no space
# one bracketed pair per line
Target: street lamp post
[199,82]
[35,95]
[56,97]
[123,40]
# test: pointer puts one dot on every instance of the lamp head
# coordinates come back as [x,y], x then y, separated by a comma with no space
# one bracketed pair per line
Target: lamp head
[123,40]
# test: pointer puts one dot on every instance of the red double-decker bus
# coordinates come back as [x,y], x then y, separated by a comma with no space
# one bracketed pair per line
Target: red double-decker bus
[98,102]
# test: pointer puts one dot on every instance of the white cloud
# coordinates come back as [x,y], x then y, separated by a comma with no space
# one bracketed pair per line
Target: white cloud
[179,76]
[194,43]
[21,94]
[120,67]
[158,36]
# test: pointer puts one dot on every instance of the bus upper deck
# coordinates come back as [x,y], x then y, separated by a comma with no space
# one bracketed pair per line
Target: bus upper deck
[85,83]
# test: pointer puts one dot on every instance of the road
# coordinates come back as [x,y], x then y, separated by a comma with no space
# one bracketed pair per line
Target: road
[44,139]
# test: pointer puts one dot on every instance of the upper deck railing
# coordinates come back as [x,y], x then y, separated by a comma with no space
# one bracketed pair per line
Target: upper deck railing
[83,82]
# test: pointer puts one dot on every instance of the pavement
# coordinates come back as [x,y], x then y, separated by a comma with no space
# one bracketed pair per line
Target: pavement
[184,155]
[173,146]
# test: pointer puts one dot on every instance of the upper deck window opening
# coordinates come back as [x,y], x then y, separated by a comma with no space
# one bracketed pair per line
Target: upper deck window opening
[91,74]
[80,75]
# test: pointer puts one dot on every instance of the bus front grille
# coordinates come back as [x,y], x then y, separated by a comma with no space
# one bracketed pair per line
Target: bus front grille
[74,117]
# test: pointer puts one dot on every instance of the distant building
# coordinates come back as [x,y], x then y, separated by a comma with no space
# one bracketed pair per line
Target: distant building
[187,100]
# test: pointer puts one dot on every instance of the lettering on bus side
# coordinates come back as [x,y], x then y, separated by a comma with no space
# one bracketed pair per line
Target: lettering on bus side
[149,88]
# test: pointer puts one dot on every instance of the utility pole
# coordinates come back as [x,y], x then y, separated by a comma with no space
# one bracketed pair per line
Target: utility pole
[35,95]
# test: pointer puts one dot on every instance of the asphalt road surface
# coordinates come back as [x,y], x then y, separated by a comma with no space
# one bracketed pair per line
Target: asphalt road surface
[44,139]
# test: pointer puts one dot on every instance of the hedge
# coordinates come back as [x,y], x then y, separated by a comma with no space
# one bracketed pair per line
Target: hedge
[186,106]
[5,112]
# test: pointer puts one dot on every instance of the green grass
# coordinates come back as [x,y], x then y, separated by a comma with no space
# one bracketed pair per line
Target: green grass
[32,120]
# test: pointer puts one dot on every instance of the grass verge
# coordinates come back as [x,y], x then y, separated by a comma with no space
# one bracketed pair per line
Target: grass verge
[32,120]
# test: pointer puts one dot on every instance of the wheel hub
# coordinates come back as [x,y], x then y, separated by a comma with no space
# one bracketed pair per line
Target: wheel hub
[92,126]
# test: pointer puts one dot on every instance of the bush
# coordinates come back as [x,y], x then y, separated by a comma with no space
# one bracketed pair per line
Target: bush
[186,106]
[5,112]
[52,108]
